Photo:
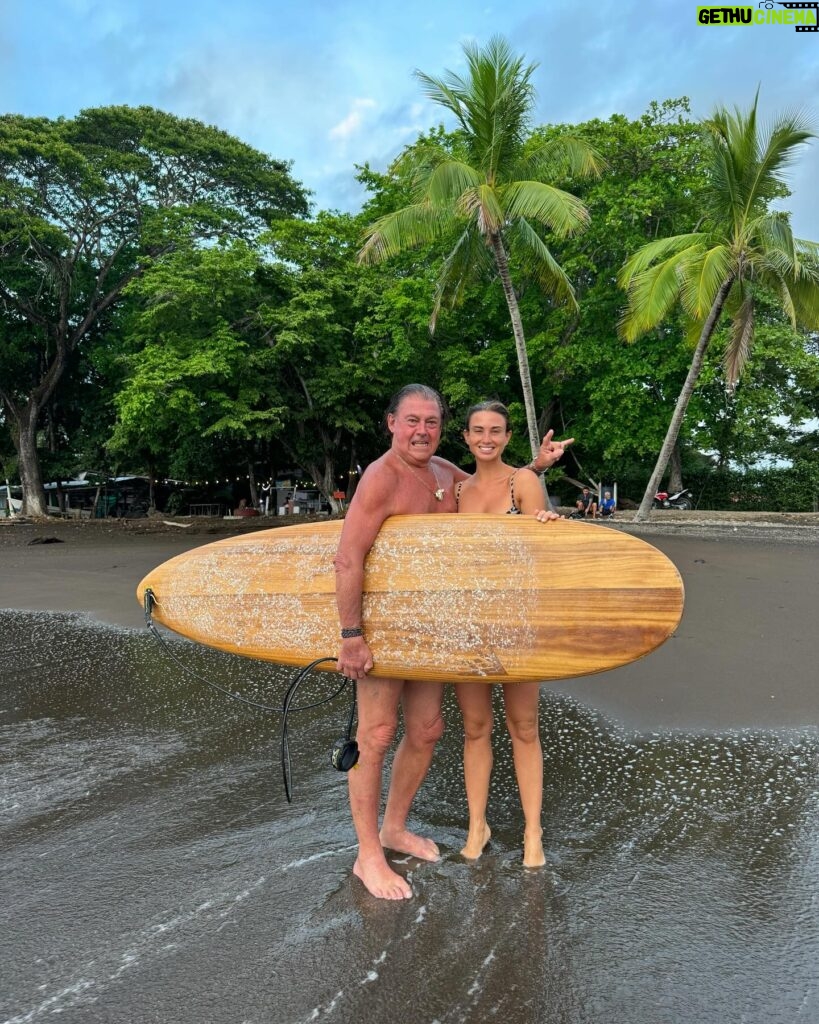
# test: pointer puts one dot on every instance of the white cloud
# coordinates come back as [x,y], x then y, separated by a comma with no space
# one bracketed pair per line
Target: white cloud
[353,121]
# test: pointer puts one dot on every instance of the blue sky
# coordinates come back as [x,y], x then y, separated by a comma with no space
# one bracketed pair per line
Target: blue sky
[329,84]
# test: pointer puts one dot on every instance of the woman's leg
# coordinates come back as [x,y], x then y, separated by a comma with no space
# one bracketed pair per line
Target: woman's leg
[521,700]
[475,700]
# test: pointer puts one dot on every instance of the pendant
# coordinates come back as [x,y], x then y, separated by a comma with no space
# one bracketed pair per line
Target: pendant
[439,494]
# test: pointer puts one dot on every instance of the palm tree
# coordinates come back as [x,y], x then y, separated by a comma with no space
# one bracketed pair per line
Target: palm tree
[493,195]
[743,246]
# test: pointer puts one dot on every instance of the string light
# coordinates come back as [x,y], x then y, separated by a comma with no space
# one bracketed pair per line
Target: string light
[267,484]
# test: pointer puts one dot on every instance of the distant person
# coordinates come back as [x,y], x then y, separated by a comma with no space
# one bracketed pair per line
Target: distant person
[244,509]
[586,504]
[608,505]
[408,479]
[498,487]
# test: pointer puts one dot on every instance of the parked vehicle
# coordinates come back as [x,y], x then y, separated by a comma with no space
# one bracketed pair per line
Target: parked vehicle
[683,500]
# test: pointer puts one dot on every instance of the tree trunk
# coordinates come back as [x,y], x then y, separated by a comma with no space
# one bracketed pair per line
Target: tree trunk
[352,475]
[24,435]
[502,264]
[682,402]
[675,470]
[254,491]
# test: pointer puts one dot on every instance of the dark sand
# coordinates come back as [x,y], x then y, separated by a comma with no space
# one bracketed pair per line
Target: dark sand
[153,870]
[744,655]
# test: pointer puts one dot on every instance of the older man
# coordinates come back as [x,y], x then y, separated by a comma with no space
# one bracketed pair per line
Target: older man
[409,479]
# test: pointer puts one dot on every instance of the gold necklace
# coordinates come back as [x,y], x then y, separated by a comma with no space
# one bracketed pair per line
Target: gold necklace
[437,494]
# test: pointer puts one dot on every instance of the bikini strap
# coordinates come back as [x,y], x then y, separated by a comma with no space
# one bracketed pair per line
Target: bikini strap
[512,489]
[458,493]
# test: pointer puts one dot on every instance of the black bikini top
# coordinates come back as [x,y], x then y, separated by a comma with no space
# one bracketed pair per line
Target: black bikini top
[512,511]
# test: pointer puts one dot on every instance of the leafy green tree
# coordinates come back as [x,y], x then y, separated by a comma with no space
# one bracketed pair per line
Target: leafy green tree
[742,245]
[614,398]
[271,345]
[341,341]
[87,205]
[760,420]
[201,393]
[490,194]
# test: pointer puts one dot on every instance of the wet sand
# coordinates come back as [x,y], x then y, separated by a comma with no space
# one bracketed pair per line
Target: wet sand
[153,870]
[744,655]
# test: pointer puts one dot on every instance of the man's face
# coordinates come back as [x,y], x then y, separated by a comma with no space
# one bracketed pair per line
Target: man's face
[416,428]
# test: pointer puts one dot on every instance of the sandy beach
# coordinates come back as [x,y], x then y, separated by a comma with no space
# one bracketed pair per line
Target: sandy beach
[153,869]
[745,654]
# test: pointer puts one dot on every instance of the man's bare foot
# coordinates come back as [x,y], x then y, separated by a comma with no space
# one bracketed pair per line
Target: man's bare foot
[403,841]
[476,841]
[533,855]
[381,881]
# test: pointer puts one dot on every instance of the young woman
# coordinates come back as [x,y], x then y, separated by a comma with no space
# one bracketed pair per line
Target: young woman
[497,487]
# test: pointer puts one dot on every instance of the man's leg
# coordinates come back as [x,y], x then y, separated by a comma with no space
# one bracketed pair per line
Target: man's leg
[377,720]
[423,727]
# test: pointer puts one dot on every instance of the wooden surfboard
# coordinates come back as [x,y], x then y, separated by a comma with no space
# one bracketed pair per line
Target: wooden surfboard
[453,598]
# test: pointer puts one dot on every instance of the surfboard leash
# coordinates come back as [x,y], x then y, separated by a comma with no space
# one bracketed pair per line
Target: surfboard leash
[344,755]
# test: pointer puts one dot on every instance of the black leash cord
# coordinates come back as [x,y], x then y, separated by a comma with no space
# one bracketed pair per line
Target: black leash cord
[149,600]
[287,768]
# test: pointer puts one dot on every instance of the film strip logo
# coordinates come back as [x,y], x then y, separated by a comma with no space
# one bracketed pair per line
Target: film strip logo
[814,6]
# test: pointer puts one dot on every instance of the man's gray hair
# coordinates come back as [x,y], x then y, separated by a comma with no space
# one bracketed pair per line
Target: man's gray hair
[422,391]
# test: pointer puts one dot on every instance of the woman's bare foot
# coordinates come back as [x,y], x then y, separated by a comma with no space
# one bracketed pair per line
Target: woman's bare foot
[381,881]
[477,840]
[403,841]
[533,855]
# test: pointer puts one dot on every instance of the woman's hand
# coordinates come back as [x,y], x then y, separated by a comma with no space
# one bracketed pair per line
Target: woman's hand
[550,452]
[544,516]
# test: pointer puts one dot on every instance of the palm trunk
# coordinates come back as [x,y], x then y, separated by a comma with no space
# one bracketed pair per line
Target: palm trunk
[675,470]
[682,402]
[502,264]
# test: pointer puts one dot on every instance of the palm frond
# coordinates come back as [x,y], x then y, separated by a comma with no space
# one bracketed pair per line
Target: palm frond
[560,211]
[807,251]
[803,295]
[651,296]
[778,145]
[449,180]
[492,104]
[703,273]
[540,264]
[749,161]
[446,93]
[565,156]
[481,205]
[468,261]
[773,229]
[661,249]
[408,228]
[417,163]
[739,340]
[725,196]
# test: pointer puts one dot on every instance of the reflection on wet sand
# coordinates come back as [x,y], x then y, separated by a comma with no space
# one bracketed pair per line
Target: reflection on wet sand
[154,871]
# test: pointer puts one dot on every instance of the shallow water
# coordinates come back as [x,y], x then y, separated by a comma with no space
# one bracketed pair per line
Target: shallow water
[153,870]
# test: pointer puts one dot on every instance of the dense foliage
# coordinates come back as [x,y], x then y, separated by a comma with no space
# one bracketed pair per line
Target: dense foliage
[167,309]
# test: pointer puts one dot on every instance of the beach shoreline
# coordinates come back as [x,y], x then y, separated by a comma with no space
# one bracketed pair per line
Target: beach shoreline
[744,655]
